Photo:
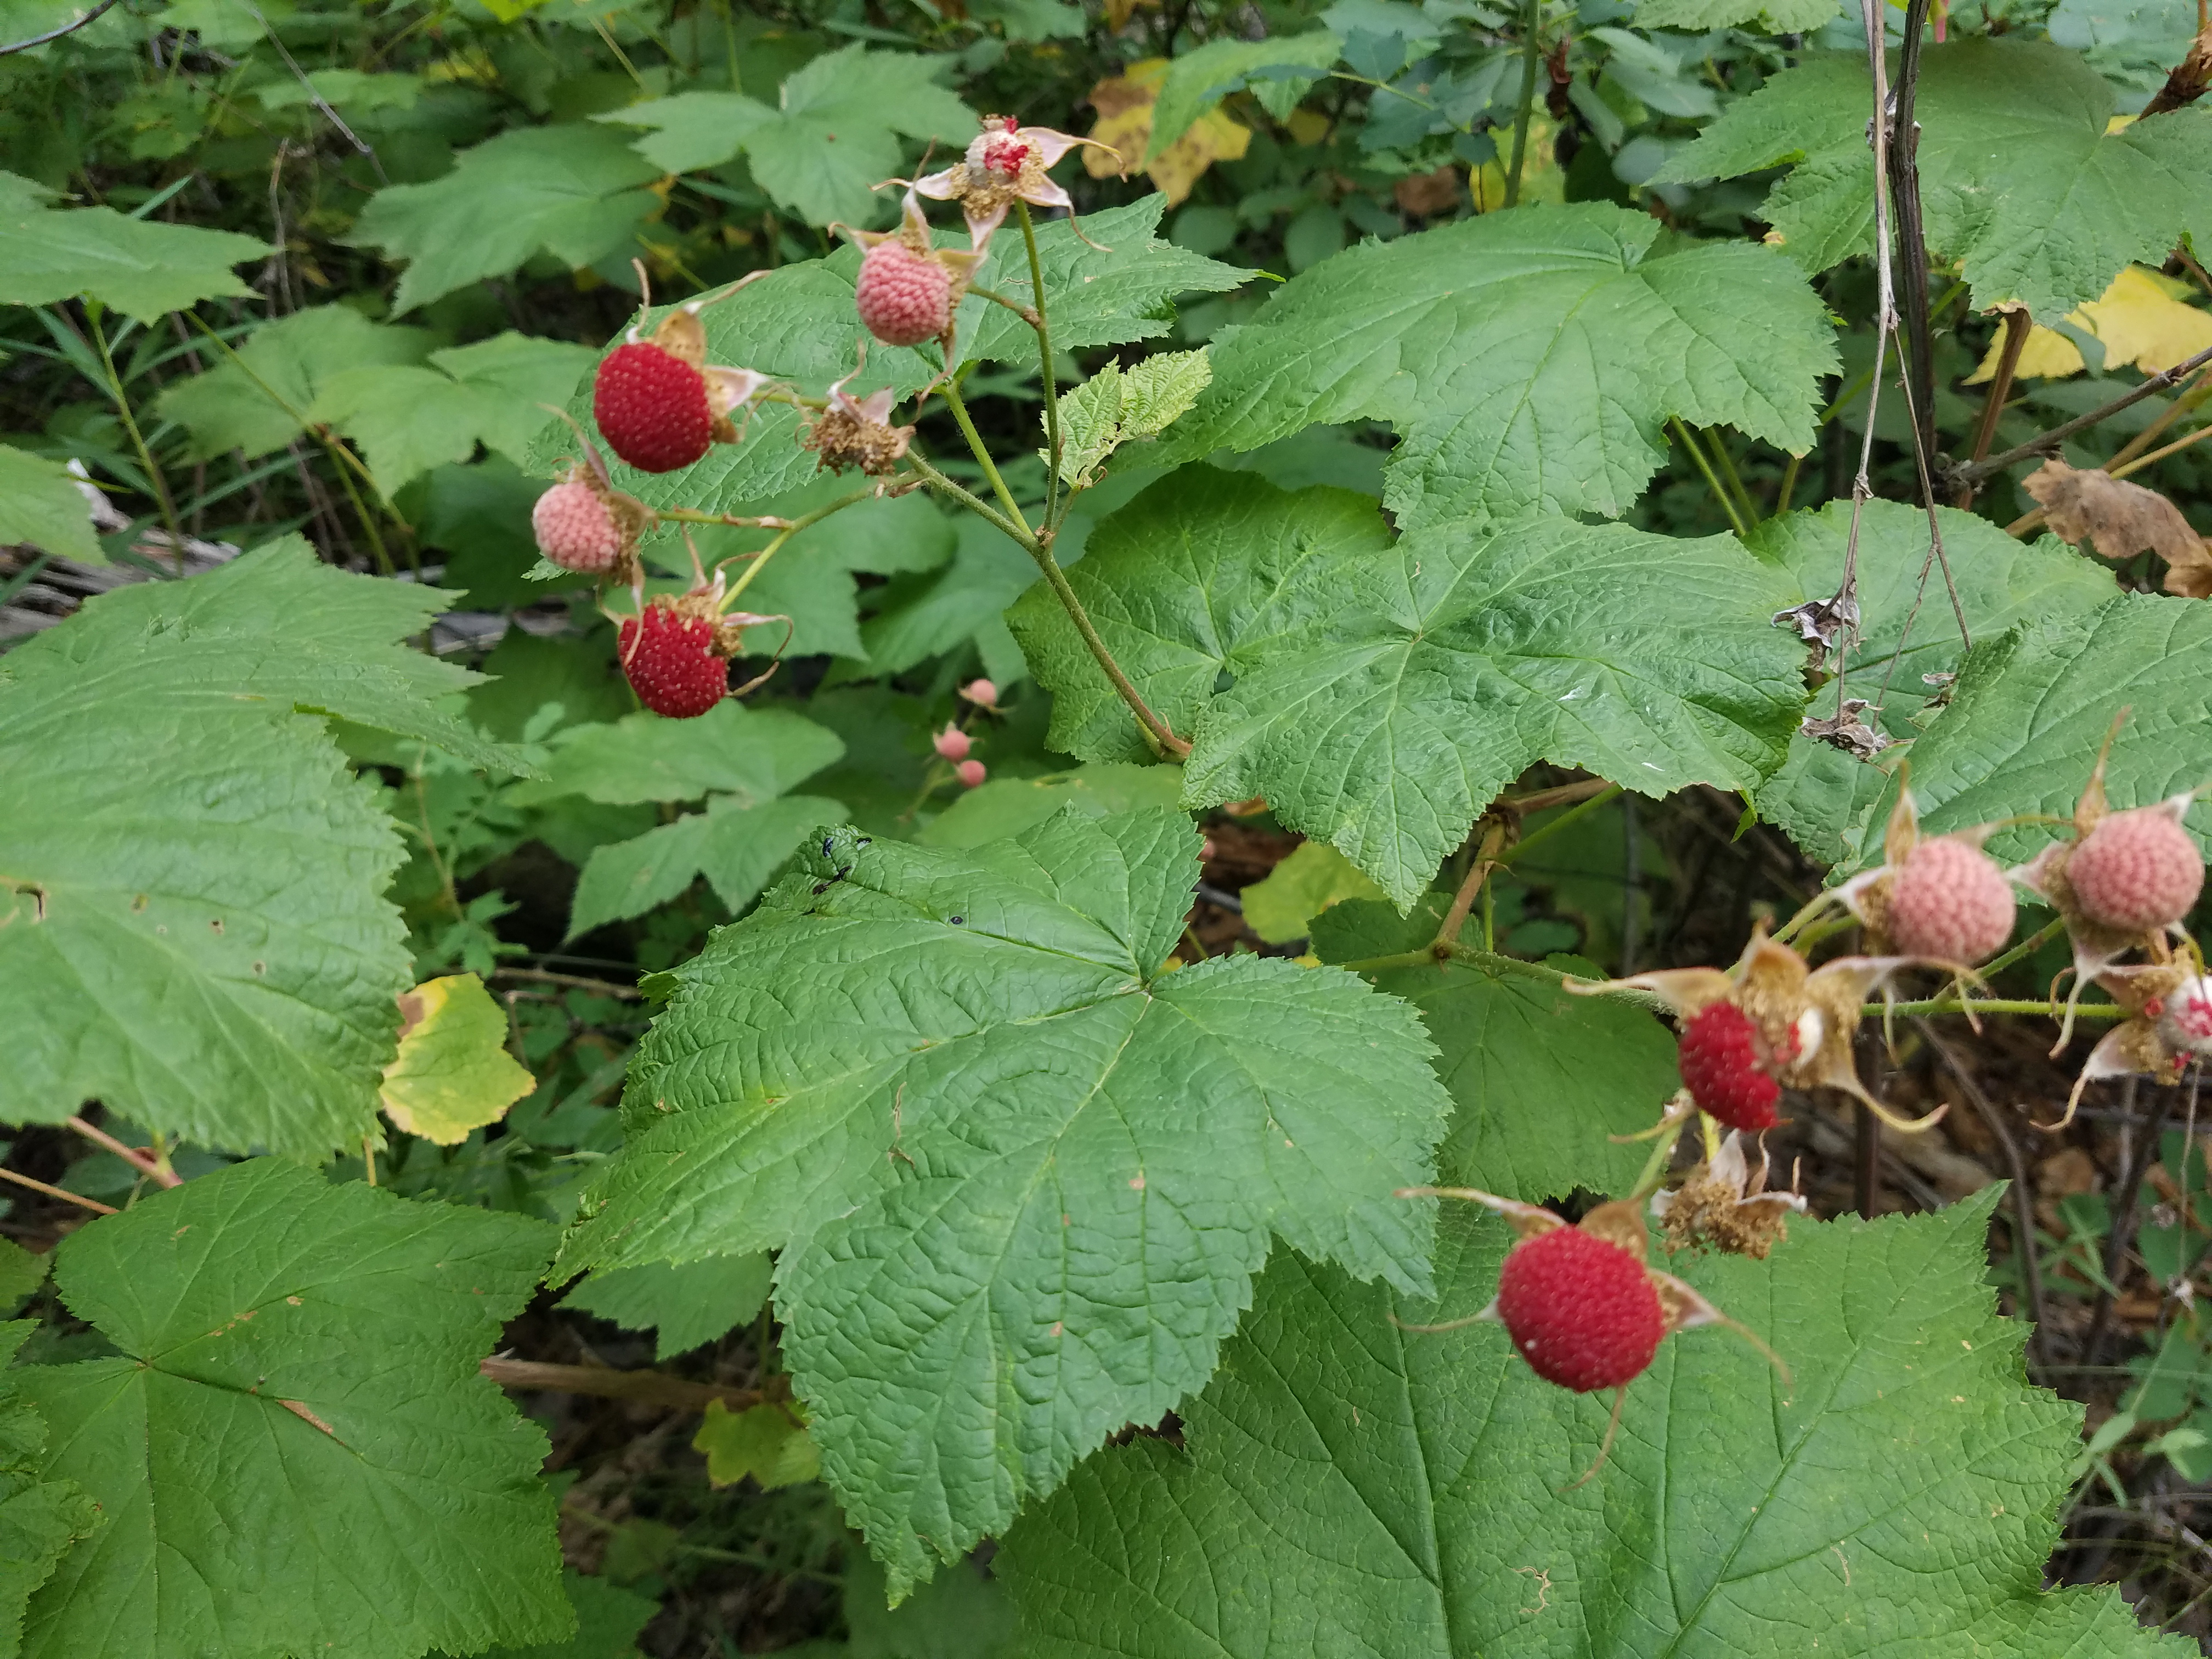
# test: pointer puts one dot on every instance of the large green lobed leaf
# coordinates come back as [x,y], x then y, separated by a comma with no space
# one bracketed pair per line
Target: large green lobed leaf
[294,1449]
[1354,1487]
[572,190]
[1527,359]
[191,913]
[1379,694]
[1022,1175]
[2018,176]
[142,267]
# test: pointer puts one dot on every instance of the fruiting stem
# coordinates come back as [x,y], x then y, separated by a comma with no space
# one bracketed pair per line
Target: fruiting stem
[973,503]
[1688,439]
[949,391]
[1044,355]
[1997,1005]
[1156,729]
[2033,942]
[160,485]
[999,298]
[790,527]
[1532,56]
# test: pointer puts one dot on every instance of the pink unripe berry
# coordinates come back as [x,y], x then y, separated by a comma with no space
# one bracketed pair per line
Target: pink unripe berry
[1581,1310]
[2185,1019]
[1950,901]
[2136,870]
[969,772]
[982,692]
[904,299]
[575,529]
[952,743]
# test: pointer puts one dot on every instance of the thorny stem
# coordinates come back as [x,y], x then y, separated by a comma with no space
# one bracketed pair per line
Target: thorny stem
[1043,327]
[1689,441]
[1532,56]
[153,1169]
[949,391]
[137,440]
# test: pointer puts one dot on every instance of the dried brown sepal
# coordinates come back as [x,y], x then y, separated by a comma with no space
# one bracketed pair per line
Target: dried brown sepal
[2119,519]
[1846,731]
[1725,1205]
[857,432]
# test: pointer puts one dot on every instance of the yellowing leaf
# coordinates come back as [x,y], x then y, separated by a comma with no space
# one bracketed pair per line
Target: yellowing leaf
[1125,121]
[768,1443]
[452,1072]
[2142,319]
[1313,877]
[1542,180]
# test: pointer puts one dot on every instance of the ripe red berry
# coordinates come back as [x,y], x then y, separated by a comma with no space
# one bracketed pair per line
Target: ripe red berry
[2136,870]
[575,529]
[1950,901]
[903,298]
[1720,1064]
[670,661]
[652,408]
[1580,1308]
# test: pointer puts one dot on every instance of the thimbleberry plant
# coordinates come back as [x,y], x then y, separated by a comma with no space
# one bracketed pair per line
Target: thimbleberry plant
[1049,876]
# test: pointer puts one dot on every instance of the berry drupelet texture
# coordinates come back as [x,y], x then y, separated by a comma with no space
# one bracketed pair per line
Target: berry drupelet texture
[576,531]
[1580,1308]
[2136,870]
[1950,903]
[903,298]
[671,663]
[652,408]
[1721,1065]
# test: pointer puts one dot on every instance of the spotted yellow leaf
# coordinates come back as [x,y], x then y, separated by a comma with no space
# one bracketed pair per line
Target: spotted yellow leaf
[1125,121]
[452,1072]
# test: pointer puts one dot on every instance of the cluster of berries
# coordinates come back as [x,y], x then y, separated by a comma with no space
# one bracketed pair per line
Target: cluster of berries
[954,743]
[1581,1303]
[660,405]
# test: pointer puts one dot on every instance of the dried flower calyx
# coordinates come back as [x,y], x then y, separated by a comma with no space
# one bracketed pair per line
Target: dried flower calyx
[1726,1204]
[857,432]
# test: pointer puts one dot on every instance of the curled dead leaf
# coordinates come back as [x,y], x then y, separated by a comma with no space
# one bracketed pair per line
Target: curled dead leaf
[1124,104]
[2119,519]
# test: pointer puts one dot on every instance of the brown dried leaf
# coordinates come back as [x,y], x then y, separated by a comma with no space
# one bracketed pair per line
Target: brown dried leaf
[2191,577]
[2119,519]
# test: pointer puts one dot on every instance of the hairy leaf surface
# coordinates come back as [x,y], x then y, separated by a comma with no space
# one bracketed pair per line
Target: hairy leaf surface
[1379,694]
[1352,1487]
[1022,1176]
[2018,176]
[1526,358]
[190,880]
[294,1449]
